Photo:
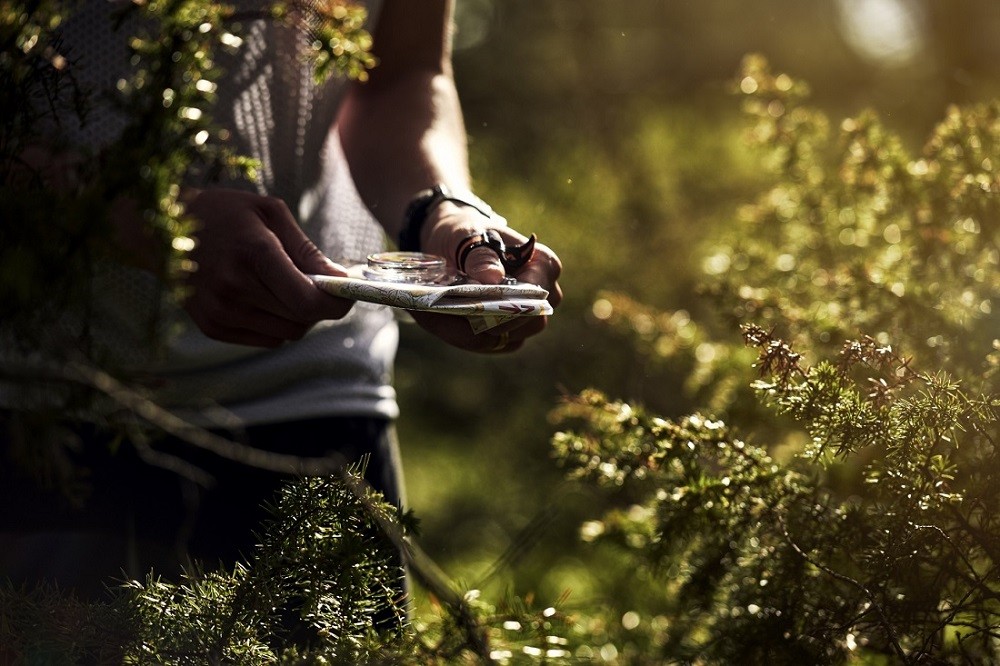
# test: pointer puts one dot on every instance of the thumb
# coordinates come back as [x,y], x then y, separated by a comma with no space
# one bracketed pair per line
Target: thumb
[300,249]
[483,265]
[310,259]
[328,267]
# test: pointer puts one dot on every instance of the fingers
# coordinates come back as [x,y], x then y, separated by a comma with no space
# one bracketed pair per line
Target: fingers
[258,329]
[298,247]
[503,344]
[252,284]
[484,264]
[511,336]
[544,269]
[294,293]
[286,273]
[450,233]
[228,320]
[506,338]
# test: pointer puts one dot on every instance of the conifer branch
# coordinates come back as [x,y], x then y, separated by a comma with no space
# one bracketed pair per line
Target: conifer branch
[887,625]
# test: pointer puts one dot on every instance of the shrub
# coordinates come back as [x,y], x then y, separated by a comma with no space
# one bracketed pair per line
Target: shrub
[859,518]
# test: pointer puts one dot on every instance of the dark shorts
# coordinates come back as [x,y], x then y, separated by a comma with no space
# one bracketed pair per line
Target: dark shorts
[136,517]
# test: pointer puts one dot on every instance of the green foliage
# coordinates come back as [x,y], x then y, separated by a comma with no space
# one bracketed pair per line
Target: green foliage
[764,560]
[324,586]
[322,579]
[858,236]
[342,45]
[855,238]
[31,68]
[60,201]
[866,527]
[317,590]
[866,523]
[514,631]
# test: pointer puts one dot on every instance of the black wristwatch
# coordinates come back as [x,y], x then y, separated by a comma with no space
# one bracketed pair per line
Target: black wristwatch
[425,202]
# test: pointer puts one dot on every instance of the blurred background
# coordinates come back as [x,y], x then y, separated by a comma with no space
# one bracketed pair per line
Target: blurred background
[611,130]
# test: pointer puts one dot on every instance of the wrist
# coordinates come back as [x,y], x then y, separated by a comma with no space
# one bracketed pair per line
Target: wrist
[431,206]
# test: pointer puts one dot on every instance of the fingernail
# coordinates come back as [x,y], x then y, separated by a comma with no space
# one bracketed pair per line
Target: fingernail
[486,267]
[334,266]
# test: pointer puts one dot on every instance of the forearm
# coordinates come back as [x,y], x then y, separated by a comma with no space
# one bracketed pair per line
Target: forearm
[402,130]
[402,137]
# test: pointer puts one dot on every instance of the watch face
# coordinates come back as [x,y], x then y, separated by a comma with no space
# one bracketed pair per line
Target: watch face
[405,267]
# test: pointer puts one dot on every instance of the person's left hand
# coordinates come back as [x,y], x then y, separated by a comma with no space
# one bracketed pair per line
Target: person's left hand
[445,229]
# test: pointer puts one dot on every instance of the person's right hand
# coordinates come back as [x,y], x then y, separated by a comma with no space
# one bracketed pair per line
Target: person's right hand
[251,285]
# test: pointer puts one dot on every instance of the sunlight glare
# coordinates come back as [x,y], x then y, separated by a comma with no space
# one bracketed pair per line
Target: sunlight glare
[887,32]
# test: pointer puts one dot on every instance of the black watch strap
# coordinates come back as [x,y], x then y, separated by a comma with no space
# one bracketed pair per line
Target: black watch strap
[424,203]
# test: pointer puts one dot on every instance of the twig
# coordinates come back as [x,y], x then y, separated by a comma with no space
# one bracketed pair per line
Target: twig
[884,620]
[172,424]
[523,542]
[423,568]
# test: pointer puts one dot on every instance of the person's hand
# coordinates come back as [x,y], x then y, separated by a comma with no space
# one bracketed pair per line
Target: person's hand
[446,228]
[251,285]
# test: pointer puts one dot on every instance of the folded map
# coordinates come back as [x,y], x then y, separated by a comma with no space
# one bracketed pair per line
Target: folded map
[484,305]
